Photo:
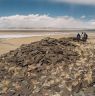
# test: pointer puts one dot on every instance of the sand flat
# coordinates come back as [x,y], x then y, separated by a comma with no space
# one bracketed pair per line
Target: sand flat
[83,64]
[13,43]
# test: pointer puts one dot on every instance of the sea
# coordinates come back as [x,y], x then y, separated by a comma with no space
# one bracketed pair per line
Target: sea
[31,33]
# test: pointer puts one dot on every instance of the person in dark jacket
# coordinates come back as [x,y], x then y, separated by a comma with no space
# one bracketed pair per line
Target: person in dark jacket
[78,37]
[85,37]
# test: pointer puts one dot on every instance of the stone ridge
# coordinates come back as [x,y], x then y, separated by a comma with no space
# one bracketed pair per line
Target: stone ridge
[46,51]
[50,67]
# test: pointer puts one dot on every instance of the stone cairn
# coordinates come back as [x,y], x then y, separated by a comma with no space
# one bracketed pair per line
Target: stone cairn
[46,51]
[49,67]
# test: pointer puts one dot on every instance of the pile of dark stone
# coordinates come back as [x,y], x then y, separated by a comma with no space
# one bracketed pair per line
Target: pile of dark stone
[50,67]
[46,51]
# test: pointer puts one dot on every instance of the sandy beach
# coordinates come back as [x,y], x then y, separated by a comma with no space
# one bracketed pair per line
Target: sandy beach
[12,40]
[18,38]
[47,65]
[47,47]
[11,44]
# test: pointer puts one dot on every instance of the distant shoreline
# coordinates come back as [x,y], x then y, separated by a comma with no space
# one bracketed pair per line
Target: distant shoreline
[24,35]
[46,30]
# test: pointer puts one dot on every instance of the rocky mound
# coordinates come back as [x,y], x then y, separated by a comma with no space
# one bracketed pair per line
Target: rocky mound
[50,67]
[46,51]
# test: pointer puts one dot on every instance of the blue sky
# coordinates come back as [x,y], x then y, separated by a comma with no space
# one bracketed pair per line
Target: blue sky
[83,10]
[12,7]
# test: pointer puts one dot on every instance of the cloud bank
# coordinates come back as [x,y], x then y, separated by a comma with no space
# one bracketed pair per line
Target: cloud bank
[86,2]
[44,21]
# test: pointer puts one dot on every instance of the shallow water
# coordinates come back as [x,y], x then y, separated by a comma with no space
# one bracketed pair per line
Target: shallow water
[19,35]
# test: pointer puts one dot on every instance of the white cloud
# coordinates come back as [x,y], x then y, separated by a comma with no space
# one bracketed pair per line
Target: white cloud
[87,2]
[44,21]
[83,17]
